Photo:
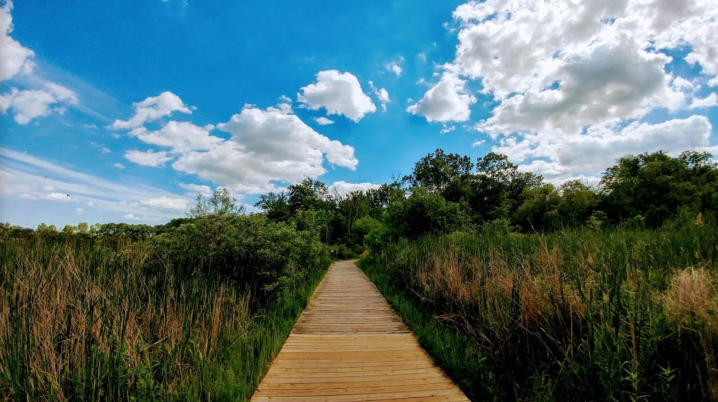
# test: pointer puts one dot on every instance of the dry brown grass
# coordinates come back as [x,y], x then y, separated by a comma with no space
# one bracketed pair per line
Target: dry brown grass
[691,305]
[61,302]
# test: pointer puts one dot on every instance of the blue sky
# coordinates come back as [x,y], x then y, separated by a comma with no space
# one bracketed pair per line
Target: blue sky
[123,111]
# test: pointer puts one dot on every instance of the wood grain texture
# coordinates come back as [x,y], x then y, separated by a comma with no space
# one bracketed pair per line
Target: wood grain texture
[349,345]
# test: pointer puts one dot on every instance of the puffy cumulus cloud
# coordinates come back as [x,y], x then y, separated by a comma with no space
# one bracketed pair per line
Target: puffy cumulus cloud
[148,158]
[605,81]
[15,57]
[153,108]
[26,104]
[165,203]
[132,217]
[446,101]
[560,157]
[119,165]
[30,104]
[709,101]
[343,188]
[338,93]
[323,121]
[382,94]
[180,136]
[266,146]
[571,81]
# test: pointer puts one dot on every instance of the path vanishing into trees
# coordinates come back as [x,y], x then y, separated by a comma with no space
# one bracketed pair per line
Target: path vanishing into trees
[349,345]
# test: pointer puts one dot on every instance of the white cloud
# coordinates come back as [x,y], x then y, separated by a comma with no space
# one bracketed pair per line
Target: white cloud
[589,153]
[394,67]
[132,217]
[447,129]
[194,189]
[42,182]
[382,94]
[477,143]
[180,136]
[30,104]
[119,165]
[323,121]
[106,150]
[148,158]
[79,211]
[55,196]
[446,101]
[15,57]
[165,203]
[42,97]
[571,81]
[608,81]
[266,146]
[338,93]
[343,188]
[152,109]
[709,101]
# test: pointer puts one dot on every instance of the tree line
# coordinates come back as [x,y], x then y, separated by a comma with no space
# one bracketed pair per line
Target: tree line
[448,192]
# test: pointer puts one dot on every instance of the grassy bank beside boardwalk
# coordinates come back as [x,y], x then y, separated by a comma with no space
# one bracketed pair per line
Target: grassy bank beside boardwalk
[450,349]
[194,314]
[613,314]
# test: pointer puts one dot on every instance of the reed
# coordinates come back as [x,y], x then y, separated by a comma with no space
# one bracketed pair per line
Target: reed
[584,314]
[93,318]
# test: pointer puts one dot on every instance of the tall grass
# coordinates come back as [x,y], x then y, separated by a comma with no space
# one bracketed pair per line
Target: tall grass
[95,318]
[575,315]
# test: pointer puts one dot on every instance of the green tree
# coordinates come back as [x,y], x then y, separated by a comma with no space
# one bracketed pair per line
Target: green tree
[308,194]
[578,201]
[539,209]
[657,186]
[275,205]
[424,212]
[442,173]
[220,203]
[82,227]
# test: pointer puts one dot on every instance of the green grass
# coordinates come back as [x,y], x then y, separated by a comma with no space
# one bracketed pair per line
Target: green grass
[450,349]
[247,362]
[574,315]
[98,318]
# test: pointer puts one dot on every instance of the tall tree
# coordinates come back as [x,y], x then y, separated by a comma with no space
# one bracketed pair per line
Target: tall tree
[438,171]
[220,203]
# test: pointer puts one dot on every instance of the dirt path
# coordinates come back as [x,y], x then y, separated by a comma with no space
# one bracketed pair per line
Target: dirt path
[349,345]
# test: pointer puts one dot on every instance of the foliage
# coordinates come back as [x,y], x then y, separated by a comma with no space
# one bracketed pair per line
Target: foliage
[191,310]
[657,186]
[220,203]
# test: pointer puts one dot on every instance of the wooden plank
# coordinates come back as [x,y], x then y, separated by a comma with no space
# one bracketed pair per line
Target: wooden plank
[367,397]
[349,345]
[363,390]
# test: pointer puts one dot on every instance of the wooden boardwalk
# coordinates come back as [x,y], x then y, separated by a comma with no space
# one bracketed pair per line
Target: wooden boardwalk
[349,345]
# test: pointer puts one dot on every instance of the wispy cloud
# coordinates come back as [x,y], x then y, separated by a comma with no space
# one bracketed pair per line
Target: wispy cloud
[32,178]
